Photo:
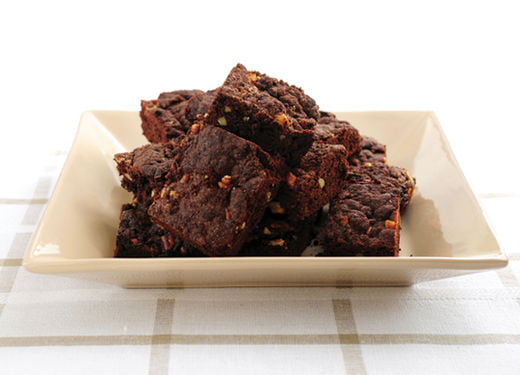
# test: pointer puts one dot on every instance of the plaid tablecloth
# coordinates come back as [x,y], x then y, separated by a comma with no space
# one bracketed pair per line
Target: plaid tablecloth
[55,325]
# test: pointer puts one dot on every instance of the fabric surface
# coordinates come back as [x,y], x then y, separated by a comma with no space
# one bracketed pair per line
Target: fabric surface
[58,325]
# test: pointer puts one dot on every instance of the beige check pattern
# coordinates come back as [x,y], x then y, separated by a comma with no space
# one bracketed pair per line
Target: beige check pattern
[55,325]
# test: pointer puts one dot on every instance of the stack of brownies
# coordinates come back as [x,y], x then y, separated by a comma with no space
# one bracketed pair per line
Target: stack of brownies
[246,170]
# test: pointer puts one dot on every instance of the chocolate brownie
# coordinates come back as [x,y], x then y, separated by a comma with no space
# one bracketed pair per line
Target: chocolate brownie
[391,178]
[277,235]
[314,182]
[144,170]
[278,117]
[172,114]
[138,237]
[217,192]
[298,105]
[363,220]
[333,131]
[163,119]
[372,152]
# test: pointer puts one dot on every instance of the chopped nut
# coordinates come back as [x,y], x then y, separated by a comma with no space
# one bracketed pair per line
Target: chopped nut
[195,128]
[174,194]
[368,164]
[344,220]
[163,192]
[185,179]
[243,225]
[267,231]
[222,121]
[277,242]
[321,182]
[281,119]
[291,179]
[127,176]
[118,158]
[390,224]
[152,194]
[276,208]
[227,109]
[268,196]
[226,179]
[369,230]
[206,176]
[134,241]
[245,118]
[252,76]
[221,185]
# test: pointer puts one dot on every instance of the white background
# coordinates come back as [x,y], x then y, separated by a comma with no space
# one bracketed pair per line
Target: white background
[460,59]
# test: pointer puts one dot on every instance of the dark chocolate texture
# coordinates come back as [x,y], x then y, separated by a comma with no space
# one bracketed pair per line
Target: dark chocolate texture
[363,220]
[371,152]
[333,131]
[145,169]
[317,179]
[278,117]
[277,235]
[218,193]
[391,178]
[138,237]
[172,114]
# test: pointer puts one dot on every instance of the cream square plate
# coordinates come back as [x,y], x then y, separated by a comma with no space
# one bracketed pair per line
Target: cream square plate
[443,228]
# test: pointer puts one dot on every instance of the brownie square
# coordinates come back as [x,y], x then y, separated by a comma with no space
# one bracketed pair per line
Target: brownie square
[277,235]
[138,237]
[278,117]
[317,179]
[364,220]
[217,191]
[172,114]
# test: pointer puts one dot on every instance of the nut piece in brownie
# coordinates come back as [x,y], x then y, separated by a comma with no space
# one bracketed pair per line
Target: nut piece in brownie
[317,179]
[278,117]
[372,152]
[144,170]
[218,193]
[392,178]
[333,131]
[138,237]
[172,114]
[277,235]
[363,220]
